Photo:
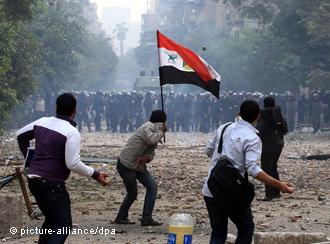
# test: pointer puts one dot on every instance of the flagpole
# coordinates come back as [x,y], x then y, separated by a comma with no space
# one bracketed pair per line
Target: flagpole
[162,100]
[161,86]
[161,96]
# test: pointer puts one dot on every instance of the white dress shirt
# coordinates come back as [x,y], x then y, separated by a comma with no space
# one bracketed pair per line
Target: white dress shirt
[241,145]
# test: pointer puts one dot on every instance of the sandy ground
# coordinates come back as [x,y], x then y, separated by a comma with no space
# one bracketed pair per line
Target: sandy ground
[180,167]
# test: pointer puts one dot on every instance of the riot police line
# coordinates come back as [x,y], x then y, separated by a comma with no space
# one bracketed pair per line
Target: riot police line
[124,112]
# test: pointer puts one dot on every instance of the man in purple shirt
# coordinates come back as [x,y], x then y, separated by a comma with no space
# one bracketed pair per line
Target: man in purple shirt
[57,153]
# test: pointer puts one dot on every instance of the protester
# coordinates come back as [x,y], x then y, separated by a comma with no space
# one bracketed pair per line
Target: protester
[242,147]
[131,165]
[57,153]
[272,127]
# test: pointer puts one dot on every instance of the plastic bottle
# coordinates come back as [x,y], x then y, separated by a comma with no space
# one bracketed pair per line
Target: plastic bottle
[180,229]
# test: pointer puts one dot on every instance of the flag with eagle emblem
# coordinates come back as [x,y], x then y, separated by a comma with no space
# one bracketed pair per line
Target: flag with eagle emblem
[180,65]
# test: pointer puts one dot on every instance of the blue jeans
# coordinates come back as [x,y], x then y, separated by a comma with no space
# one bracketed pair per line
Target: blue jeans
[129,177]
[219,223]
[54,202]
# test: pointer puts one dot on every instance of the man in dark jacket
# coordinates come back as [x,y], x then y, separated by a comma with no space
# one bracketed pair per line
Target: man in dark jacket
[272,127]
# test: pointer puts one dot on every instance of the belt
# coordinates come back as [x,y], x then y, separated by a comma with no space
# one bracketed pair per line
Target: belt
[43,180]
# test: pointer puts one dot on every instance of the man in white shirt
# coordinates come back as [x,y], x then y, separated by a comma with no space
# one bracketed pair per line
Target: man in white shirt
[242,146]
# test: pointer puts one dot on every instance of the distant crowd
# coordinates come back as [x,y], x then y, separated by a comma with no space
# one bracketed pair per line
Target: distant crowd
[125,111]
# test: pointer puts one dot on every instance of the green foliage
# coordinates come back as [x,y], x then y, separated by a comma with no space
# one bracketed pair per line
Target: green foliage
[7,101]
[97,66]
[14,58]
[302,29]
[259,61]
[48,45]
[291,47]
[60,37]
[73,57]
[16,10]
[317,19]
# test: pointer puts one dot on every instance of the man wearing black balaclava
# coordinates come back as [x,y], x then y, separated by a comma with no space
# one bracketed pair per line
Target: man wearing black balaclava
[132,166]
[272,127]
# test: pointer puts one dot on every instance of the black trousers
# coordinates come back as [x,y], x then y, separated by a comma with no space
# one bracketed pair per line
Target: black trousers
[54,202]
[269,160]
[219,223]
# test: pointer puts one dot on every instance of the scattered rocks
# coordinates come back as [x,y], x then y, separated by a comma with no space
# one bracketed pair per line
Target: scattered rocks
[288,237]
[11,213]
[180,168]
[321,198]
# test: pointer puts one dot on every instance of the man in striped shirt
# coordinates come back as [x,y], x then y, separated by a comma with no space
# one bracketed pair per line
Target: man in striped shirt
[57,153]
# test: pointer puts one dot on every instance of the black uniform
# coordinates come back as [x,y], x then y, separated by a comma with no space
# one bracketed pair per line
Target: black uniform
[272,127]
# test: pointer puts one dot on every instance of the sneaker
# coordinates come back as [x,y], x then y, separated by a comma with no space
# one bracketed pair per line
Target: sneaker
[124,222]
[150,222]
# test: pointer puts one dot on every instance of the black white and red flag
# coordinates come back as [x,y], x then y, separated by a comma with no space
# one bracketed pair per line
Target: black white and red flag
[180,65]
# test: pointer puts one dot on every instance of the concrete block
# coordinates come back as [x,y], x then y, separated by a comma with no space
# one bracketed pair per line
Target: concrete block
[11,213]
[288,237]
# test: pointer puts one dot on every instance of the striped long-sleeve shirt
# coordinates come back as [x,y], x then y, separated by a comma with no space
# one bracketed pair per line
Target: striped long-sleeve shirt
[57,148]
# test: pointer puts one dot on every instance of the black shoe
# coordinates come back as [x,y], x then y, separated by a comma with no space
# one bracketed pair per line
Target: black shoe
[150,222]
[124,222]
[265,199]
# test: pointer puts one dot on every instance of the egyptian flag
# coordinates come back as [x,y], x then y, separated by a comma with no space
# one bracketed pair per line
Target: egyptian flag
[179,65]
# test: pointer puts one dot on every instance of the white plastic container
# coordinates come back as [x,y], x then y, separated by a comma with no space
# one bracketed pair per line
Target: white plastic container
[180,229]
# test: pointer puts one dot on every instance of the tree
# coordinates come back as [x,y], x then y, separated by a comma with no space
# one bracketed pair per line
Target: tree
[317,23]
[61,37]
[97,65]
[303,26]
[13,15]
[48,45]
[120,33]
[73,57]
